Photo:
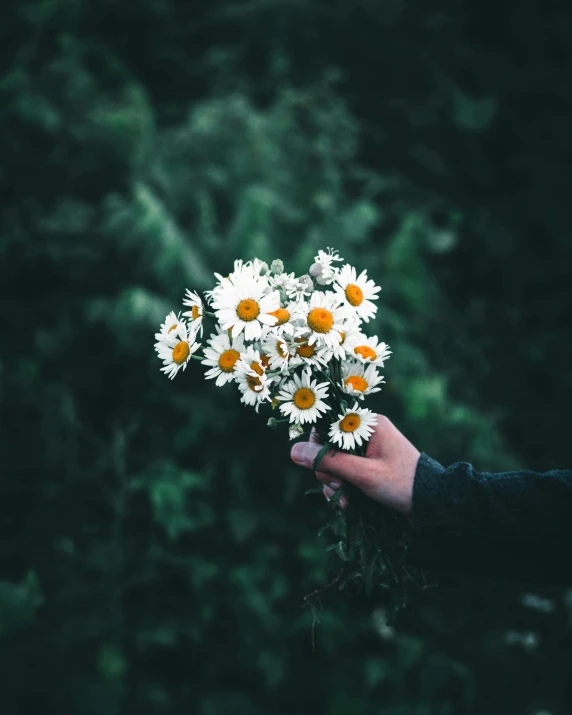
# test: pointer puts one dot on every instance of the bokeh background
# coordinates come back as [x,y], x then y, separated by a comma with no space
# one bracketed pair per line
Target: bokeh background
[156,542]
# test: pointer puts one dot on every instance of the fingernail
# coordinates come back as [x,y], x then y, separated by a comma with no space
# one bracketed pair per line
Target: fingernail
[334,485]
[304,453]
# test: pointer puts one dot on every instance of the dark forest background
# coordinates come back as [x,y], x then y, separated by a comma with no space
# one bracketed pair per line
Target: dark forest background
[156,542]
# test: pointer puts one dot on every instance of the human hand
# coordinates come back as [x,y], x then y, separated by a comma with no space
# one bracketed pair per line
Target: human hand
[385,474]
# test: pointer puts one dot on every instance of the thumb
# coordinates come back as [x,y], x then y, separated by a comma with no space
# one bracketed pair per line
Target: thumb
[350,467]
[304,453]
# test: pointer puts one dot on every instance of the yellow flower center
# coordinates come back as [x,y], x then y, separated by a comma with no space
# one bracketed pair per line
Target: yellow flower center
[304,398]
[354,295]
[304,350]
[253,382]
[173,327]
[257,367]
[366,352]
[195,312]
[357,382]
[282,314]
[248,310]
[320,320]
[280,351]
[350,423]
[227,360]
[265,360]
[181,352]
[342,337]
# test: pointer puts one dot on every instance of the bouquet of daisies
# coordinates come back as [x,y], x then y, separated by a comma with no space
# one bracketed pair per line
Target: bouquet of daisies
[297,346]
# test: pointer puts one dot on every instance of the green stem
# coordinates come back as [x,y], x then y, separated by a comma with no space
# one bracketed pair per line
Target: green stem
[337,390]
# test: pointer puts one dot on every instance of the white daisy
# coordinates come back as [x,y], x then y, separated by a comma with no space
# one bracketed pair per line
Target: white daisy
[353,428]
[222,281]
[357,292]
[276,349]
[359,380]
[176,348]
[258,267]
[252,379]
[170,325]
[279,382]
[252,269]
[322,269]
[244,305]
[212,295]
[369,350]
[303,398]
[311,355]
[351,336]
[196,312]
[284,321]
[237,268]
[322,321]
[222,356]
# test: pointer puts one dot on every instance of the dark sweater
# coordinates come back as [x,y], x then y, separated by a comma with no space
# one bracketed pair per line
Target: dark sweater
[513,525]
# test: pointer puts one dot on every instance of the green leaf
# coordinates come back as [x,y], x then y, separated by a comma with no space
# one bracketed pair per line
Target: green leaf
[314,490]
[321,454]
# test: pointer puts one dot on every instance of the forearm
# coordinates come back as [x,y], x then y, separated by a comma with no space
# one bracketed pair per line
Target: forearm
[515,525]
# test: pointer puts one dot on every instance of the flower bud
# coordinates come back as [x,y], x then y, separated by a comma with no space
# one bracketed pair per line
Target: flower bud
[263,268]
[272,423]
[295,431]
[277,267]
[316,269]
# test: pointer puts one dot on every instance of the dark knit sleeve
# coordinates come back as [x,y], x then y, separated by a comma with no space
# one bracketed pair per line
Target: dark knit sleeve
[515,525]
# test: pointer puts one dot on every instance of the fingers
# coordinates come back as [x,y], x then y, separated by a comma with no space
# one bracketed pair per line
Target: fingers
[328,480]
[349,467]
[329,493]
[304,453]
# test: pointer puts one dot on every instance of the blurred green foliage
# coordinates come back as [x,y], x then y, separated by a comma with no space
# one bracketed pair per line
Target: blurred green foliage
[156,539]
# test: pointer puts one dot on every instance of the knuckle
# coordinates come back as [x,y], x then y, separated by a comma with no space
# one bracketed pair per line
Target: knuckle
[383,422]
